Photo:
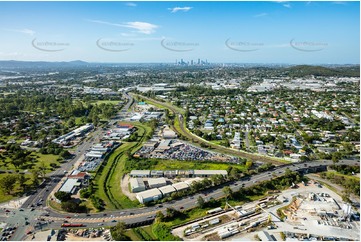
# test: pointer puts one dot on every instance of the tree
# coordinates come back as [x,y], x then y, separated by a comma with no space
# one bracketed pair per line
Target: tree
[65,154]
[42,169]
[72,206]
[200,202]
[7,183]
[21,179]
[118,232]
[159,216]
[249,164]
[62,196]
[35,175]
[227,191]
[171,213]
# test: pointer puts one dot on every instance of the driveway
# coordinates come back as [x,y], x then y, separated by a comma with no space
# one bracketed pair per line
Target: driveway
[125,189]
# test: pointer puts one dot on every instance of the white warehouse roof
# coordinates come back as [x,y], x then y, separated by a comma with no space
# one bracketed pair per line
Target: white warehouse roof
[210,172]
[140,173]
[180,186]
[136,182]
[149,194]
[157,182]
[69,185]
[167,190]
[190,181]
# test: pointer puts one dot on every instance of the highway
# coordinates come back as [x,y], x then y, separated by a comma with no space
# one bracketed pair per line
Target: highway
[134,215]
[140,214]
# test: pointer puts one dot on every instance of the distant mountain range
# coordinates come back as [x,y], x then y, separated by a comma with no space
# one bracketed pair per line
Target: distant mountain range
[39,64]
[307,70]
[290,70]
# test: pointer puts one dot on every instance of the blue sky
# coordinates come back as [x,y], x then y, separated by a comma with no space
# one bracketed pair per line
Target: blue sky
[242,32]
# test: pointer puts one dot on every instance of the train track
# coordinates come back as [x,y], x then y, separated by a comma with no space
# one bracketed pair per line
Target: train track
[196,139]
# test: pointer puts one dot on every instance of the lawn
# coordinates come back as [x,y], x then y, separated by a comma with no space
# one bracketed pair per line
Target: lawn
[100,178]
[47,159]
[335,173]
[6,197]
[132,235]
[195,165]
[148,230]
[114,181]
[108,180]
[106,102]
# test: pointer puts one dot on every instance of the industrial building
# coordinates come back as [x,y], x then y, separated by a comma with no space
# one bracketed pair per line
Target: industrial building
[149,195]
[157,182]
[73,134]
[168,133]
[179,173]
[140,173]
[137,185]
[163,146]
[208,173]
[190,181]
[180,186]
[70,186]
[167,190]
[170,174]
[156,173]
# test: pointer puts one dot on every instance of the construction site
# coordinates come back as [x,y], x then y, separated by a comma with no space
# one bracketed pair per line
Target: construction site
[304,212]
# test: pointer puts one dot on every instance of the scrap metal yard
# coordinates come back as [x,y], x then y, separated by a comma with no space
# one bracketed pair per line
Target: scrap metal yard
[308,212]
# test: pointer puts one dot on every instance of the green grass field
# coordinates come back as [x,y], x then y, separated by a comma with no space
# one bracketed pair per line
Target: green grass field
[113,172]
[186,165]
[137,234]
[7,197]
[106,102]
[344,176]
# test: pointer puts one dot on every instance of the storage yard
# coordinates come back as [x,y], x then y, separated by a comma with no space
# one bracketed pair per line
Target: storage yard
[310,212]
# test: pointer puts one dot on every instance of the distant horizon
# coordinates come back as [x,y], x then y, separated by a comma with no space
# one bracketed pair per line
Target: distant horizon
[210,63]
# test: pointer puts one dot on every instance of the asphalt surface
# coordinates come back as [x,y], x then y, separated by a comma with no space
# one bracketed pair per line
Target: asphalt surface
[216,147]
[54,219]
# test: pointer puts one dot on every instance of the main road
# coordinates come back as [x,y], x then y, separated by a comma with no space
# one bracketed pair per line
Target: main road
[135,215]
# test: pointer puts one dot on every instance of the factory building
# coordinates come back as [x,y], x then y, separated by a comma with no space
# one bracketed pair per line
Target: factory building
[137,185]
[149,195]
[157,182]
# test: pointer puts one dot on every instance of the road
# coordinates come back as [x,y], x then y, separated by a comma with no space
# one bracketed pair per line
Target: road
[196,139]
[129,216]
[141,214]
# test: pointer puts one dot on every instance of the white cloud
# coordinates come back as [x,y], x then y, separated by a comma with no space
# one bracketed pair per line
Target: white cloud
[287,5]
[260,15]
[140,27]
[23,31]
[183,9]
[130,4]
[127,34]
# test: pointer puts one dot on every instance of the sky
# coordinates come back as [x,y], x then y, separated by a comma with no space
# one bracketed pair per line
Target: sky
[166,32]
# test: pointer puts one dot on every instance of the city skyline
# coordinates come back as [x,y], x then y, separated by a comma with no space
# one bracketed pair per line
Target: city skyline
[143,32]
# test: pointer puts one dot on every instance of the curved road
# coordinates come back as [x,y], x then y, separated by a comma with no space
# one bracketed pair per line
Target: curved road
[133,215]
